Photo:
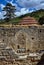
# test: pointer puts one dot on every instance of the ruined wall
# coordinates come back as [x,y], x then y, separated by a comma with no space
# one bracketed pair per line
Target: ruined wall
[29,37]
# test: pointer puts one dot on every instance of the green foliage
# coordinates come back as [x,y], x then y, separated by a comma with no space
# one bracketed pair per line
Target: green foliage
[37,15]
[9,9]
[41,20]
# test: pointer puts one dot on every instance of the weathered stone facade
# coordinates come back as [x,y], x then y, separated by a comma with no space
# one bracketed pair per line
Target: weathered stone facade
[29,37]
[26,38]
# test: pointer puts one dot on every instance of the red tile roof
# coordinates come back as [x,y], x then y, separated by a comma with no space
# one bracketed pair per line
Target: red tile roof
[27,21]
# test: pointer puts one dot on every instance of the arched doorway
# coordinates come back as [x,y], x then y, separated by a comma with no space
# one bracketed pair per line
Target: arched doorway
[21,38]
[23,42]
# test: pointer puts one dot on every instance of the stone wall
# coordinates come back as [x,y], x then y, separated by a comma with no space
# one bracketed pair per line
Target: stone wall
[29,37]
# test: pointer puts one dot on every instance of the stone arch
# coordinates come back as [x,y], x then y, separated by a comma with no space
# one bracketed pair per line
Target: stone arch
[23,40]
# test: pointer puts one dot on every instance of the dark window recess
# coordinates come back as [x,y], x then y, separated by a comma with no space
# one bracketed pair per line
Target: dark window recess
[40,30]
[29,26]
[4,32]
[32,38]
[28,50]
[18,46]
[3,40]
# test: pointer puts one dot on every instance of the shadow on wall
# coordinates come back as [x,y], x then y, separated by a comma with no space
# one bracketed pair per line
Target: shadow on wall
[41,62]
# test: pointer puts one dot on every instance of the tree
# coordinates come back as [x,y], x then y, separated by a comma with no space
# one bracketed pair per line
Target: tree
[41,20]
[9,9]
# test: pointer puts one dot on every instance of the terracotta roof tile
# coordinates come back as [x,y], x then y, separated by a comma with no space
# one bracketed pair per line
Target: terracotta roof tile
[28,20]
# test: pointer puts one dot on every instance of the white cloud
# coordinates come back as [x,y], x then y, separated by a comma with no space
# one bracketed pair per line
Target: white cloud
[14,4]
[30,3]
[2,14]
[26,6]
[10,1]
[22,12]
[41,6]
[1,6]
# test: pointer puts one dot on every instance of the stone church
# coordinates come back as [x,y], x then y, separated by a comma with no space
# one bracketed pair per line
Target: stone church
[17,42]
[27,36]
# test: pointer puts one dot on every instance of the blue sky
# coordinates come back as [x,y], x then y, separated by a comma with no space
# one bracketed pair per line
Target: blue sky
[22,6]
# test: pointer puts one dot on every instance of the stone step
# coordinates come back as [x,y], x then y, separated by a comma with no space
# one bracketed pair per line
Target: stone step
[8,53]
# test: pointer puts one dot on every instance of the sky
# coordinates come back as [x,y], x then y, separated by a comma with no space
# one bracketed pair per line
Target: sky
[22,6]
